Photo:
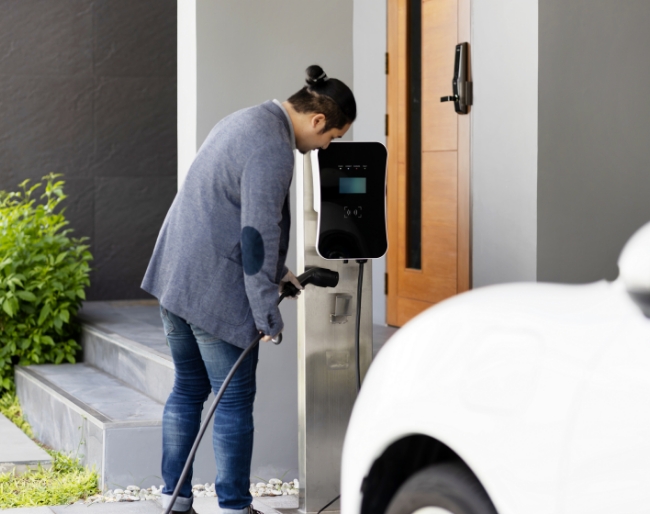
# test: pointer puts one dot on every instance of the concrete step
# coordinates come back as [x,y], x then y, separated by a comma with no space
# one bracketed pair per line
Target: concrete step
[126,340]
[18,453]
[108,424]
[145,369]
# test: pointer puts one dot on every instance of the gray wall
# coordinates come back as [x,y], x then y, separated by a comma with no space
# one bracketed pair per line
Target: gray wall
[249,51]
[88,89]
[369,44]
[504,141]
[259,51]
[594,133]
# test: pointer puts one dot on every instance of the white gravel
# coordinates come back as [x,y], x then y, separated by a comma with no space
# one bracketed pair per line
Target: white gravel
[275,487]
[133,493]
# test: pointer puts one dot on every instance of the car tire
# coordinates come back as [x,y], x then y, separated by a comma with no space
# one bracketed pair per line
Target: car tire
[450,487]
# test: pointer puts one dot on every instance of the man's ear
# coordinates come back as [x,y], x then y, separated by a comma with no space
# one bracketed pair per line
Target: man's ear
[318,121]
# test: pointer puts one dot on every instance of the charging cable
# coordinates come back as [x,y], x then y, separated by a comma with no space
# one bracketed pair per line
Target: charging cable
[317,276]
[357,344]
[206,422]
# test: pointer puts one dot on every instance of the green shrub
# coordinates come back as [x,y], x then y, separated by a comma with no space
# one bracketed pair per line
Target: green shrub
[43,273]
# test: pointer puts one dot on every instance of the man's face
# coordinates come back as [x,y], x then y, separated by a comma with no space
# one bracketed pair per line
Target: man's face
[314,137]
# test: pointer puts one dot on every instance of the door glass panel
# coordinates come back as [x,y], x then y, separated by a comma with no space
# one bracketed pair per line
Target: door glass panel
[414,137]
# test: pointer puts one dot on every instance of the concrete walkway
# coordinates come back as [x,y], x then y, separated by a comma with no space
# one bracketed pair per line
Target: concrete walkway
[17,451]
[201,505]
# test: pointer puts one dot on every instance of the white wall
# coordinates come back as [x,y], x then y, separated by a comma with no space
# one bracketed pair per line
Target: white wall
[369,50]
[246,52]
[256,50]
[504,140]
[186,83]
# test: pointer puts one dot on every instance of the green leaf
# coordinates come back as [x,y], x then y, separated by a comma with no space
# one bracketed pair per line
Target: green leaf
[60,257]
[26,295]
[45,312]
[65,315]
[81,294]
[47,340]
[8,307]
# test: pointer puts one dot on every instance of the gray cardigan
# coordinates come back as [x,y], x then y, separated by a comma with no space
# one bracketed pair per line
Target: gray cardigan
[221,250]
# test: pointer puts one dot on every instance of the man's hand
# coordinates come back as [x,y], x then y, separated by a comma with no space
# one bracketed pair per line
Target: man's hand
[266,339]
[290,277]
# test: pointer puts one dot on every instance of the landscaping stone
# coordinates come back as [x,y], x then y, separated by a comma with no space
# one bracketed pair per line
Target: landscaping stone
[132,493]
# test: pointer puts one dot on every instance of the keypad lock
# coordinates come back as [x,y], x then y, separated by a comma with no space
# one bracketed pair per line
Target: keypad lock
[461,87]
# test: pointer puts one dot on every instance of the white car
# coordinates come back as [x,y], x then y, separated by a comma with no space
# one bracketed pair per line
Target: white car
[514,399]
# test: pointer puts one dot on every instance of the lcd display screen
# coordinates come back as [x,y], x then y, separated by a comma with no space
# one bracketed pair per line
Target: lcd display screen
[352,185]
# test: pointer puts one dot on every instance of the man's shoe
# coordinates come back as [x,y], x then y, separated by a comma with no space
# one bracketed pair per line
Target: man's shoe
[190,511]
[251,510]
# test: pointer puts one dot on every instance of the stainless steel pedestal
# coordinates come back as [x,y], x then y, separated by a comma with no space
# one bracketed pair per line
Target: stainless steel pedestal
[326,356]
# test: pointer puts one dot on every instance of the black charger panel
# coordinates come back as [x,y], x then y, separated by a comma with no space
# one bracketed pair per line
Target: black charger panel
[352,217]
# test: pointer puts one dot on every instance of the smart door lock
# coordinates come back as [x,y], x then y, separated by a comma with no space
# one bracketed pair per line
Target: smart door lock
[462,89]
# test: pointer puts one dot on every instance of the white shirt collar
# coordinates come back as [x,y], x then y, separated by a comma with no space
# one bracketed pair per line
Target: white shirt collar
[293,136]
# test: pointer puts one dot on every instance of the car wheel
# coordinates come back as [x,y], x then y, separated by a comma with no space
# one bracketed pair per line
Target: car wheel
[448,488]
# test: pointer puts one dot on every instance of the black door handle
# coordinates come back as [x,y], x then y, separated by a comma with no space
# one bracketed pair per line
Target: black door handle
[462,89]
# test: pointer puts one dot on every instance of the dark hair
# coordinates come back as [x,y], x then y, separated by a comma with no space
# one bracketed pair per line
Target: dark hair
[330,97]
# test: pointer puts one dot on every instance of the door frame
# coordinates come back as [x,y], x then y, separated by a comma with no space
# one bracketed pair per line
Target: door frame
[396,128]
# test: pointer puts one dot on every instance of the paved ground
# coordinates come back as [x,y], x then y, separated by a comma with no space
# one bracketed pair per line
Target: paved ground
[201,505]
[17,451]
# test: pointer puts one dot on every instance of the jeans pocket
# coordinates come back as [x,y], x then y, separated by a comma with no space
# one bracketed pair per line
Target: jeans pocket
[168,324]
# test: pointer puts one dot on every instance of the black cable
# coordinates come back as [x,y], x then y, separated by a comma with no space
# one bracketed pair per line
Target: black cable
[358,327]
[206,421]
[330,503]
[325,282]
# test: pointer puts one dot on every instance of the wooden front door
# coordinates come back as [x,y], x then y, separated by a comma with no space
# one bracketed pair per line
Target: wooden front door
[428,147]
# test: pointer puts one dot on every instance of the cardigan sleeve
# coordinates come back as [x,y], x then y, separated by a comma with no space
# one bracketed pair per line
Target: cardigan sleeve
[264,188]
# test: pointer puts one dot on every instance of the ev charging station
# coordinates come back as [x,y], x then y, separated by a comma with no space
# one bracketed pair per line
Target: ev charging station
[341,224]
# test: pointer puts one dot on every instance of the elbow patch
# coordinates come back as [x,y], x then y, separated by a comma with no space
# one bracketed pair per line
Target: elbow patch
[252,249]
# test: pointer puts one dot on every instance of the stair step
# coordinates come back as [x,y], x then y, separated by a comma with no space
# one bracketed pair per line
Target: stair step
[126,340]
[80,409]
[142,367]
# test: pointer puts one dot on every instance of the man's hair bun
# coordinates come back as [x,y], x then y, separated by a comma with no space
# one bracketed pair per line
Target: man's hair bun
[328,96]
[315,75]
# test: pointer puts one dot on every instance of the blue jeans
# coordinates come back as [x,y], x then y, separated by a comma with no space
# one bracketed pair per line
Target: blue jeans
[201,363]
